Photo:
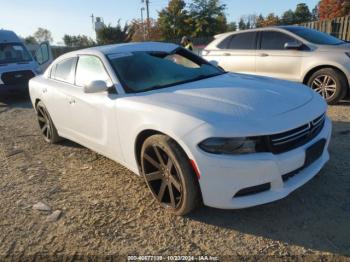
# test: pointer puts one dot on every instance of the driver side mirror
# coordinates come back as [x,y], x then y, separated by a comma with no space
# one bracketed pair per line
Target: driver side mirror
[96,86]
[292,45]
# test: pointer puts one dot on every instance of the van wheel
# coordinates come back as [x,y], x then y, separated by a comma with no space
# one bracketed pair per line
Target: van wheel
[169,175]
[330,84]
[47,128]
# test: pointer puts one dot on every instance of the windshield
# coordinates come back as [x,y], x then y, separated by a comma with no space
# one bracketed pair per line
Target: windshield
[13,53]
[144,71]
[316,37]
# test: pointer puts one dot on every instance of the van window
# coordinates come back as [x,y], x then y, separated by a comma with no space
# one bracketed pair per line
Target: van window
[64,70]
[13,53]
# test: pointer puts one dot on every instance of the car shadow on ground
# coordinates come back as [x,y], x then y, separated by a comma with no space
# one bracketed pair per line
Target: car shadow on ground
[316,216]
[15,100]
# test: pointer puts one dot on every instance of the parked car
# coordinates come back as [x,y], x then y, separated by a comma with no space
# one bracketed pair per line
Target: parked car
[194,132]
[17,65]
[287,52]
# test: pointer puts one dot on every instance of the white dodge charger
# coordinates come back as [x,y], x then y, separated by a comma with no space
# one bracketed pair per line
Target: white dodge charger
[196,134]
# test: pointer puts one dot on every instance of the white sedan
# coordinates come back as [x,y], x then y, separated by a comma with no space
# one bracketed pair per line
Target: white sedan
[196,134]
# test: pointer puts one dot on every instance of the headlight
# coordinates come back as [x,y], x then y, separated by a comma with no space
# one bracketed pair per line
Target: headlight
[348,54]
[231,146]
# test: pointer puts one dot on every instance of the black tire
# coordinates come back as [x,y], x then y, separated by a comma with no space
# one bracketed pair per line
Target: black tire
[46,125]
[178,180]
[337,81]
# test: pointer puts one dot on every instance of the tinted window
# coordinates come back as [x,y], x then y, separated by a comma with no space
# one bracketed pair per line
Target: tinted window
[243,41]
[64,70]
[224,43]
[90,68]
[13,53]
[315,36]
[275,40]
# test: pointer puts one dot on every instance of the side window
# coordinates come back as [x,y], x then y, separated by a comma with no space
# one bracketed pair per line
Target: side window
[90,68]
[64,70]
[225,43]
[243,41]
[274,40]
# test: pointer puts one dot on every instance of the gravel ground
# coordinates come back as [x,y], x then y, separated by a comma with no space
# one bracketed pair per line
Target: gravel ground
[102,208]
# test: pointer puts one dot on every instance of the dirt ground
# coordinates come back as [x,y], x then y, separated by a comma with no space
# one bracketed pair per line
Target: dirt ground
[106,209]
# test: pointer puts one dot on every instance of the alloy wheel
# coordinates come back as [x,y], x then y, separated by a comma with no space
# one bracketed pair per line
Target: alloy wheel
[44,123]
[325,85]
[162,177]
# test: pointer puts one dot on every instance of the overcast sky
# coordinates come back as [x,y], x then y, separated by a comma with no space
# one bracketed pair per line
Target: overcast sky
[73,16]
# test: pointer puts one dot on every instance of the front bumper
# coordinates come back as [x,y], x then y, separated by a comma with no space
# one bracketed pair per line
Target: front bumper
[222,177]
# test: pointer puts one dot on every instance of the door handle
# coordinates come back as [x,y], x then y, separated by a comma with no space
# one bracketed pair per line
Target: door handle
[263,55]
[44,90]
[227,54]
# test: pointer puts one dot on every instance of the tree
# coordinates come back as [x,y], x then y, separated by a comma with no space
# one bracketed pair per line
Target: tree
[137,31]
[288,18]
[260,21]
[173,20]
[30,40]
[329,9]
[207,18]
[271,20]
[250,21]
[42,35]
[78,41]
[113,35]
[302,14]
[314,14]
[241,24]
[231,27]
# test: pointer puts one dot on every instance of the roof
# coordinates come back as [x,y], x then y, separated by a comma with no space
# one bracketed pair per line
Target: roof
[133,47]
[8,36]
[260,29]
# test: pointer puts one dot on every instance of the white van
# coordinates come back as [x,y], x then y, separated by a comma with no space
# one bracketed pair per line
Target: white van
[17,65]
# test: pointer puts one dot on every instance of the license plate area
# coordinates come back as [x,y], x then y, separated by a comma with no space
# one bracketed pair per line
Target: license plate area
[314,152]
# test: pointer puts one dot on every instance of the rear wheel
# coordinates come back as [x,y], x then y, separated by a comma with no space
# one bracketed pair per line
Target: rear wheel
[329,83]
[169,175]
[47,128]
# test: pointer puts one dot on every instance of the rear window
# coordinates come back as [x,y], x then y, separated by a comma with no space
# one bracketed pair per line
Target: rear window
[241,41]
[14,53]
[64,70]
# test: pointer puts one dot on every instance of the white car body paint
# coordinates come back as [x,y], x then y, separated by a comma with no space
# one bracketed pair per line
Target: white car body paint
[230,105]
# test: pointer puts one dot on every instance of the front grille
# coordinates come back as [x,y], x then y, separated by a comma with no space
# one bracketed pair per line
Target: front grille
[297,137]
[17,77]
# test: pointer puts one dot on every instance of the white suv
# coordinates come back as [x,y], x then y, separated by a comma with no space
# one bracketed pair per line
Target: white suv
[288,52]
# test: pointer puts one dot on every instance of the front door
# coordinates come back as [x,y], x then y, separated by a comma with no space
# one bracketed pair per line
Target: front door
[93,114]
[273,60]
[43,55]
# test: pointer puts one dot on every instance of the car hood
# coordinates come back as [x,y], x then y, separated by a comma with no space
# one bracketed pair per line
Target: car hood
[232,95]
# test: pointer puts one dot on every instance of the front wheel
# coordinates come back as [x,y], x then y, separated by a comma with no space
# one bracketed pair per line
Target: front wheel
[169,175]
[330,84]
[47,128]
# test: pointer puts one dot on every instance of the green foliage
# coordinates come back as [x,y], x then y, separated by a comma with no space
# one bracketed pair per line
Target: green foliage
[231,27]
[173,20]
[42,35]
[78,41]
[30,40]
[302,14]
[207,18]
[113,34]
[288,18]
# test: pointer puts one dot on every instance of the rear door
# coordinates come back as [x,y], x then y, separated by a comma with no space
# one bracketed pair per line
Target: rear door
[236,53]
[43,55]
[274,60]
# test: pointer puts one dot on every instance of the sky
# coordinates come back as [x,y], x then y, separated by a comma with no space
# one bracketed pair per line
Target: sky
[73,16]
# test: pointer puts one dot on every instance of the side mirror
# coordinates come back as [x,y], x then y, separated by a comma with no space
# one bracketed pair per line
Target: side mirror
[96,86]
[292,45]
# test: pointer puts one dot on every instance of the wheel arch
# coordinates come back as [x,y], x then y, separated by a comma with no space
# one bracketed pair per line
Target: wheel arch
[144,134]
[315,69]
